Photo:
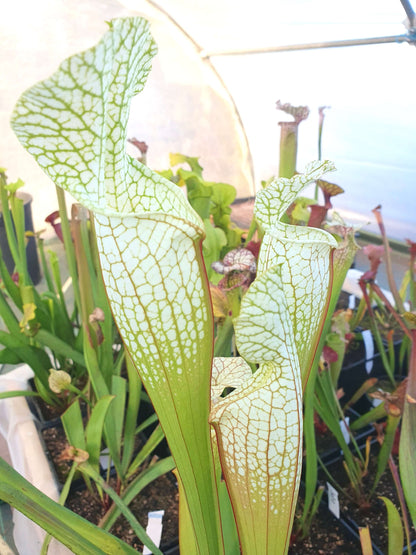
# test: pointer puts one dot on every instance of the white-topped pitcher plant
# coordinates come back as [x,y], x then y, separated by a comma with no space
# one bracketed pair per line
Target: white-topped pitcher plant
[149,241]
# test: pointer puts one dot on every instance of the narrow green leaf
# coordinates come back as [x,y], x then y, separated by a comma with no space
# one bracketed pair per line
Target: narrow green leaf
[10,286]
[155,438]
[35,358]
[8,316]
[395,528]
[231,540]
[8,394]
[79,535]
[132,412]
[73,425]
[107,326]
[9,357]
[187,540]
[68,246]
[62,499]
[18,216]
[386,447]
[122,506]
[310,462]
[94,430]
[97,380]
[146,423]
[45,268]
[374,414]
[101,390]
[327,406]
[136,486]
[44,391]
[60,347]
[407,450]
[115,419]
[10,228]
[56,272]
[362,390]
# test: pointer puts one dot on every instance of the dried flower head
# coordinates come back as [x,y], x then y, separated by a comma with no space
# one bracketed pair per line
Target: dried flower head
[141,145]
[239,268]
[240,260]
[97,315]
[75,454]
[393,402]
[299,113]
[58,380]
[375,254]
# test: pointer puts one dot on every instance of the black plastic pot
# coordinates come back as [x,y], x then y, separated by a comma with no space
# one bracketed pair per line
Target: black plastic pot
[354,374]
[31,250]
[334,454]
[346,520]
[36,409]
[170,549]
[352,529]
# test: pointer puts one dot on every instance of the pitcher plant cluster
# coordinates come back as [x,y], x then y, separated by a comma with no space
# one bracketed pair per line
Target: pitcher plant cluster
[234,424]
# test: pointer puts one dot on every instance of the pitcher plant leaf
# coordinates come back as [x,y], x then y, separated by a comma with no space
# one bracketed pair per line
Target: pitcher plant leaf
[149,240]
[305,255]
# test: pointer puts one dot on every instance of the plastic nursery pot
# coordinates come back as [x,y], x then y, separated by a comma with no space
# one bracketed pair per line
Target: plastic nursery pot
[53,438]
[330,454]
[326,534]
[171,549]
[359,366]
[39,410]
[352,520]
[159,495]
[31,250]
[27,456]
[352,528]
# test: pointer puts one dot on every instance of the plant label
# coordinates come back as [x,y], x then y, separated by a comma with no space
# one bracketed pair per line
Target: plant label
[154,529]
[333,501]
[369,350]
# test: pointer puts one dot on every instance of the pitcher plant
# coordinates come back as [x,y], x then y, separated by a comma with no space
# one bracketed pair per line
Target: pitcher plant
[150,246]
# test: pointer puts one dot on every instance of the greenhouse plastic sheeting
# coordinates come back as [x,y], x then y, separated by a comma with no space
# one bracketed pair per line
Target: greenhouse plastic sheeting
[204,99]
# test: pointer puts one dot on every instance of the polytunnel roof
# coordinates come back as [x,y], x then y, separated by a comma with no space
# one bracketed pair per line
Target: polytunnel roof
[221,67]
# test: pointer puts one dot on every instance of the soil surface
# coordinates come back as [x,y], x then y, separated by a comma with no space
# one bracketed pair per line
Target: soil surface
[369,510]
[326,535]
[161,494]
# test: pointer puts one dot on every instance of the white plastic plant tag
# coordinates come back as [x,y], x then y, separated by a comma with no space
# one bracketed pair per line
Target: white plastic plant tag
[154,529]
[351,302]
[344,428]
[333,501]
[105,458]
[369,350]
